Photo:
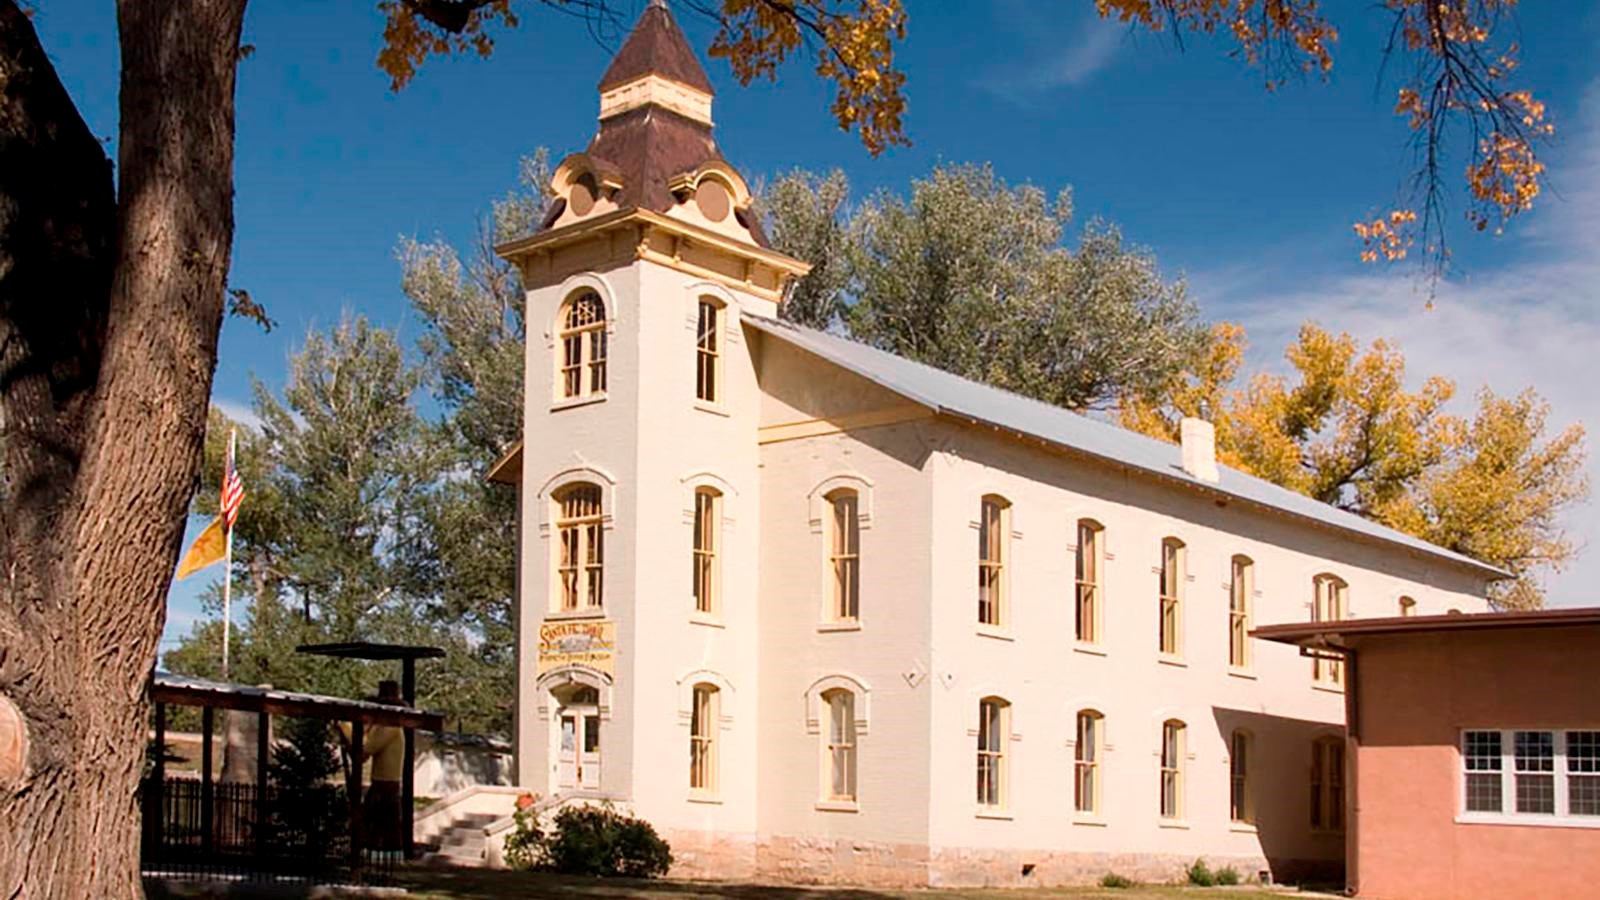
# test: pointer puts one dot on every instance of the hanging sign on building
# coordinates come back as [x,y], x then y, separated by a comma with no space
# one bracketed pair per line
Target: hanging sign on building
[589,643]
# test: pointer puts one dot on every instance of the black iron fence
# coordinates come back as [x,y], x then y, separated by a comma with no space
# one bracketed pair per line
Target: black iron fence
[230,831]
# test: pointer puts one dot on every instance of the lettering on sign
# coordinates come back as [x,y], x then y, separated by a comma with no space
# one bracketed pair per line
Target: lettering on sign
[590,644]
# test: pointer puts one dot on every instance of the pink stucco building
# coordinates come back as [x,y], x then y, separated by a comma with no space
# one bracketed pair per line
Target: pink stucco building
[1474,752]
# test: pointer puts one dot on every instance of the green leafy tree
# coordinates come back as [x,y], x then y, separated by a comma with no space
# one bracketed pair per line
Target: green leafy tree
[805,215]
[973,276]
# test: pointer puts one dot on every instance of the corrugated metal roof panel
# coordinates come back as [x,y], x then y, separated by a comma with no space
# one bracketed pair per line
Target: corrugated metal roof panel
[957,396]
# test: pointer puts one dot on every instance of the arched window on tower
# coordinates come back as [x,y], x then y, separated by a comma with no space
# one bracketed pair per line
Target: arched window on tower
[583,346]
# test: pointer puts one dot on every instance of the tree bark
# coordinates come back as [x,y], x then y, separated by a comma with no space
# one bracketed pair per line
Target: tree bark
[108,329]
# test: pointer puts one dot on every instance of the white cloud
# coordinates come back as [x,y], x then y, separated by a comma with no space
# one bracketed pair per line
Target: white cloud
[1532,322]
[1093,47]
[238,411]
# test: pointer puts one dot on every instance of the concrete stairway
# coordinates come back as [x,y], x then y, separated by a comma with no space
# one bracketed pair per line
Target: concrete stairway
[461,842]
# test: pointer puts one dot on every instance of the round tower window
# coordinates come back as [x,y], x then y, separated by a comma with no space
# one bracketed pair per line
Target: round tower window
[582,195]
[713,200]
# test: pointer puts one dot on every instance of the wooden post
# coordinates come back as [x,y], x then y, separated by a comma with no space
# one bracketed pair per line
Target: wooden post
[207,791]
[353,788]
[263,807]
[408,766]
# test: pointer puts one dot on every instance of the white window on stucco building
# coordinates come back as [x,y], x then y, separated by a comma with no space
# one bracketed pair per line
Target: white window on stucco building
[1088,617]
[993,553]
[994,738]
[1531,776]
[582,346]
[580,556]
[1170,625]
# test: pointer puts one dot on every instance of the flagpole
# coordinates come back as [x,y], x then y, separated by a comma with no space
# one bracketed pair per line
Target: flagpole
[227,563]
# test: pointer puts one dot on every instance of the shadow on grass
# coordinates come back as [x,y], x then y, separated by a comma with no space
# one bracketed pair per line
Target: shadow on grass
[493,884]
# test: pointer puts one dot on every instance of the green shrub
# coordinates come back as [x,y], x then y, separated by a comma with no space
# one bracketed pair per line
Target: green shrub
[1200,874]
[1228,875]
[1113,880]
[598,840]
[525,845]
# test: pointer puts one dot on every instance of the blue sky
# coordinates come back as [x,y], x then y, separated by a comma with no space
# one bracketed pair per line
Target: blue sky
[1249,194]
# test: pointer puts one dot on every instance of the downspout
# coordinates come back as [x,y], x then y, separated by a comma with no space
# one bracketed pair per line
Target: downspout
[1352,718]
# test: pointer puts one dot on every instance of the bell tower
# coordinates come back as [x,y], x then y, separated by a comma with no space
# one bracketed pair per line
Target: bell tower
[638,473]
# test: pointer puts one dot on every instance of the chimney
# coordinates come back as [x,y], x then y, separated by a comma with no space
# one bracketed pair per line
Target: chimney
[1199,439]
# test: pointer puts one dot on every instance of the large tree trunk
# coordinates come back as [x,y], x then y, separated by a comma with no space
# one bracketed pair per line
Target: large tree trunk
[108,329]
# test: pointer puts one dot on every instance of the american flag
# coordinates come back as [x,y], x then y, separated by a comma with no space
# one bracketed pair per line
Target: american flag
[232,488]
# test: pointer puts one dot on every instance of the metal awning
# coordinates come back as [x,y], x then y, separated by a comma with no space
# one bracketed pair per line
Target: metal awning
[187,690]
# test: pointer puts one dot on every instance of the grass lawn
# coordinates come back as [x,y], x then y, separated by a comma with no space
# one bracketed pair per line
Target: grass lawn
[489,884]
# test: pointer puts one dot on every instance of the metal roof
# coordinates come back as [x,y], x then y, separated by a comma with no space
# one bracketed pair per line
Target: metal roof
[188,690]
[1336,633]
[955,396]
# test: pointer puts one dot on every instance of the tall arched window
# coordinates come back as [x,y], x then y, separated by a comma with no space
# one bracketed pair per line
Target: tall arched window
[1241,801]
[1408,606]
[1172,751]
[1090,560]
[994,736]
[707,546]
[1328,606]
[1327,784]
[844,554]
[1171,613]
[708,351]
[581,559]
[839,750]
[993,537]
[583,346]
[1086,762]
[703,718]
[1240,588]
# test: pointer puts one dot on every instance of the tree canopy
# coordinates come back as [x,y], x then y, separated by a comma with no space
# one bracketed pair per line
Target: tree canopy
[1345,429]
[974,276]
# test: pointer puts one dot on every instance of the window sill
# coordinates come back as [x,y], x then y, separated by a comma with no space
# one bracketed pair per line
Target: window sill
[705,798]
[845,806]
[575,402]
[716,409]
[1327,688]
[839,626]
[997,632]
[1536,820]
[996,814]
[1178,824]
[1089,821]
[1090,649]
[1236,672]
[1243,828]
[562,615]
[1166,659]
[706,619]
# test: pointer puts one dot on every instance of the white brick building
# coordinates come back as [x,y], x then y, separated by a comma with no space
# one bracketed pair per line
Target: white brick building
[820,613]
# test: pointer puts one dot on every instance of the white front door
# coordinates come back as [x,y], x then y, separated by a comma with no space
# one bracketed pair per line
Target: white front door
[578,756]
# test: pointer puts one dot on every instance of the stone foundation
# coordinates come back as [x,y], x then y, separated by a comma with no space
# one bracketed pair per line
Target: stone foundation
[834,861]
[710,855]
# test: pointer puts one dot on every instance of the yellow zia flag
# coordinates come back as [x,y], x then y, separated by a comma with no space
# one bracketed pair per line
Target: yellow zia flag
[210,547]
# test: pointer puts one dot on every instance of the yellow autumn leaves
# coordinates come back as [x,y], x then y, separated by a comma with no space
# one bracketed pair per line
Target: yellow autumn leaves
[1345,430]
